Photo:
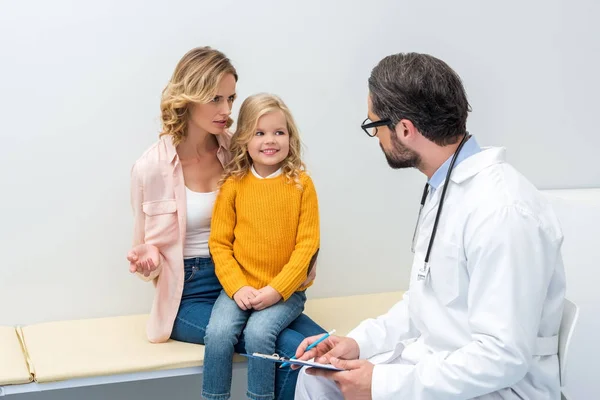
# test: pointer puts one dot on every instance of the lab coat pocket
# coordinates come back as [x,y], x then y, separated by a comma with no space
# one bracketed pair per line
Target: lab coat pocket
[445,271]
[160,222]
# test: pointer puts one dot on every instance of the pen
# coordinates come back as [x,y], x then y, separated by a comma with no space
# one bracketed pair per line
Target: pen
[325,336]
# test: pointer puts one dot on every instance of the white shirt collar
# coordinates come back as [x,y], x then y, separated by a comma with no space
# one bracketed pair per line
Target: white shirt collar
[273,175]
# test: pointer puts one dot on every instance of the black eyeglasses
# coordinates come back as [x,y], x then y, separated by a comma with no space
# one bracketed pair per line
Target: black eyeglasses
[370,128]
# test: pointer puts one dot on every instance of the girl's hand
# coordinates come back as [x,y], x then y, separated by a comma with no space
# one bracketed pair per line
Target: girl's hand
[244,296]
[266,298]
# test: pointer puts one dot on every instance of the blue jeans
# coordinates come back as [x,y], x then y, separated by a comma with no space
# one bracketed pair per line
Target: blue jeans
[261,329]
[200,292]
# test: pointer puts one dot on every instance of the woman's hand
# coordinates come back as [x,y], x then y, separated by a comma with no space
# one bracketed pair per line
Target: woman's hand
[144,259]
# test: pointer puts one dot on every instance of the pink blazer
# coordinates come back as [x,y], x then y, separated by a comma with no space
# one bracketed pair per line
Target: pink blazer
[159,207]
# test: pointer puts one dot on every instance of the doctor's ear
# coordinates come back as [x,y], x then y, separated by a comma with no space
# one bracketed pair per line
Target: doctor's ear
[405,129]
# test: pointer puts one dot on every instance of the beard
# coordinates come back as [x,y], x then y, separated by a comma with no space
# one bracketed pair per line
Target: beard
[400,156]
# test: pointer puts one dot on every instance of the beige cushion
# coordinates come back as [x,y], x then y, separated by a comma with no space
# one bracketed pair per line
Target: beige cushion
[13,361]
[107,346]
[345,313]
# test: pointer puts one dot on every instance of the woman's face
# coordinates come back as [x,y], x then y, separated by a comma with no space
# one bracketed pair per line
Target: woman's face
[212,117]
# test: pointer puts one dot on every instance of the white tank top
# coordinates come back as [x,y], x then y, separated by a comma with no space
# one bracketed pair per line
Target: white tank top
[199,213]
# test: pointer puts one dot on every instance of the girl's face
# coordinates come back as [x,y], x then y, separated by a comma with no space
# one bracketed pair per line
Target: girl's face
[270,144]
[212,117]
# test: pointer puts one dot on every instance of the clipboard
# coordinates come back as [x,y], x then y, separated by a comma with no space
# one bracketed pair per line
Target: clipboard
[277,359]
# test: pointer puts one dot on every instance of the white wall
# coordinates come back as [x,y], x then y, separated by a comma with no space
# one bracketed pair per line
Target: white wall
[79,92]
[579,214]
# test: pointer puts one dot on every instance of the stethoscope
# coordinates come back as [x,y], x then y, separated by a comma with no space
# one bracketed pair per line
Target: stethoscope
[423,272]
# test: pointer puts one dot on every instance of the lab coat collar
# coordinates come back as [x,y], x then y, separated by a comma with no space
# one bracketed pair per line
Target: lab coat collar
[470,148]
[476,163]
[468,168]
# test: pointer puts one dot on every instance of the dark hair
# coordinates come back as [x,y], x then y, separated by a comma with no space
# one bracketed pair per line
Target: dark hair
[424,90]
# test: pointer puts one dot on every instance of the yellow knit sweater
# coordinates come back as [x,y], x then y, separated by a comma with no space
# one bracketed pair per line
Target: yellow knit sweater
[265,232]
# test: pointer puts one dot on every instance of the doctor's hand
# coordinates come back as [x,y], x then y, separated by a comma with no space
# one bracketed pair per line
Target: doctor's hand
[266,297]
[143,258]
[339,347]
[354,383]
[244,296]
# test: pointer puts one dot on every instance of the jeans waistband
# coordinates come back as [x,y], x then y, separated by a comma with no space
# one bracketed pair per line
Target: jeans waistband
[198,262]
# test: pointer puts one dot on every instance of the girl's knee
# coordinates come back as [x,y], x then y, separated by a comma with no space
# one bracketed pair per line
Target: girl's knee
[220,332]
[259,337]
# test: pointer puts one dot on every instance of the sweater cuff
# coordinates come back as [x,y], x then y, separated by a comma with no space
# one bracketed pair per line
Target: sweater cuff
[232,288]
[284,286]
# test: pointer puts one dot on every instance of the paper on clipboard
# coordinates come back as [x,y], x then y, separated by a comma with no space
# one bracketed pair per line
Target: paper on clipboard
[276,358]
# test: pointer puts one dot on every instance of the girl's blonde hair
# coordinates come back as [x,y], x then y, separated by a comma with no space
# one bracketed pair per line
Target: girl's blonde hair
[251,110]
[195,80]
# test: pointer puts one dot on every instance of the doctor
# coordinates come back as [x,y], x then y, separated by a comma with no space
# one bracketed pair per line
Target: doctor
[481,316]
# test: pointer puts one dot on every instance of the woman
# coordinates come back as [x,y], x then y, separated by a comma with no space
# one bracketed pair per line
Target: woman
[173,188]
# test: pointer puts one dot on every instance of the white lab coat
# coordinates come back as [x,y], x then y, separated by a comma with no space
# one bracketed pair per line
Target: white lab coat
[484,324]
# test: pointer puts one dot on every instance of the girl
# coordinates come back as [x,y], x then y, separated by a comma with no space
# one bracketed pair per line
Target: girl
[173,188]
[264,240]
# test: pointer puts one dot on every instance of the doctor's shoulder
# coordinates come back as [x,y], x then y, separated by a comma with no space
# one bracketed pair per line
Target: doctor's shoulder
[502,186]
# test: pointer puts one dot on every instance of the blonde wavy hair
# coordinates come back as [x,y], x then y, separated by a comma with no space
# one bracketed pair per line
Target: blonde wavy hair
[195,80]
[251,110]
